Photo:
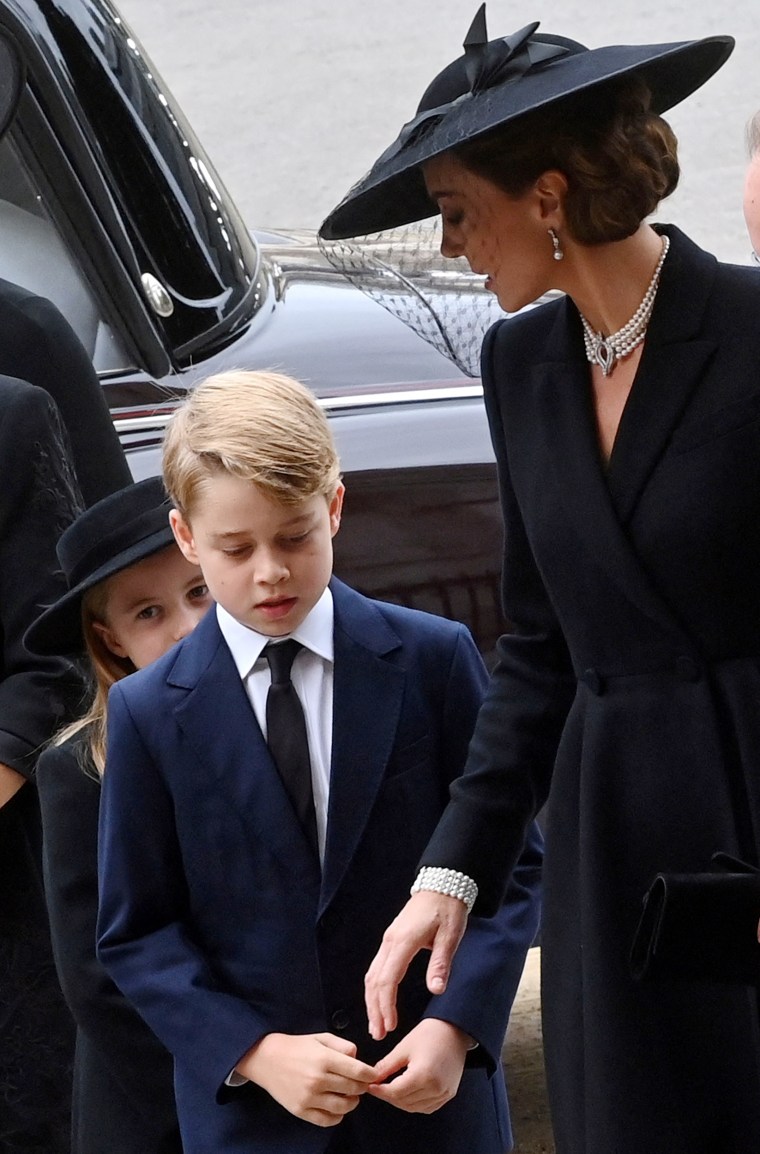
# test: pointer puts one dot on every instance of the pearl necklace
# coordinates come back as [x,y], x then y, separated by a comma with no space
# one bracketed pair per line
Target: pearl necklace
[604,351]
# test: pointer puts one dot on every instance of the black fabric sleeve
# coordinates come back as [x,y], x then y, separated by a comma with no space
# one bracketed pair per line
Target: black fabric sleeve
[38,499]
[39,345]
[511,756]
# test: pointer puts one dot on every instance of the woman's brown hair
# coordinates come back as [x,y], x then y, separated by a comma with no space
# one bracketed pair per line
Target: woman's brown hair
[618,156]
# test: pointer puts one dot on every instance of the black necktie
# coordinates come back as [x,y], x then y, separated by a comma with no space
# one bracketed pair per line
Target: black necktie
[286,734]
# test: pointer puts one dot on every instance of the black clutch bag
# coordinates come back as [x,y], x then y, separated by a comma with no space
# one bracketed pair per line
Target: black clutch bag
[701,927]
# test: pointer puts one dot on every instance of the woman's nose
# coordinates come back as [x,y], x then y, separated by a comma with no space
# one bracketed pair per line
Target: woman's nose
[449,246]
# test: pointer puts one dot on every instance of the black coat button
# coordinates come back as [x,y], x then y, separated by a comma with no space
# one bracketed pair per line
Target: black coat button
[594,681]
[340,1019]
[687,668]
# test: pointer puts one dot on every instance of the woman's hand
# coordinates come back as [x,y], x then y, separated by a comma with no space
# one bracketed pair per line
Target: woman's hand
[428,921]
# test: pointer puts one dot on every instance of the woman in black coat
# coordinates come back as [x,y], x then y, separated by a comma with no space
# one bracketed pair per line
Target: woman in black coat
[38,498]
[44,469]
[625,418]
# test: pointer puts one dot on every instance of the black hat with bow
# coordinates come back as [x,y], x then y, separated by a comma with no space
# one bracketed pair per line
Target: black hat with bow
[498,81]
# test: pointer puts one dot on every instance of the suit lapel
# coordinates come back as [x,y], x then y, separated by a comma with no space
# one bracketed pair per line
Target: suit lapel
[236,751]
[367,696]
[599,503]
[671,367]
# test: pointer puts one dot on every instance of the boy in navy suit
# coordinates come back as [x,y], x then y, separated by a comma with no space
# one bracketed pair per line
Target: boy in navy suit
[245,885]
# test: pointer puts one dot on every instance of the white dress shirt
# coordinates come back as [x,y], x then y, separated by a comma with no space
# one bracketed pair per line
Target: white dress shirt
[312,677]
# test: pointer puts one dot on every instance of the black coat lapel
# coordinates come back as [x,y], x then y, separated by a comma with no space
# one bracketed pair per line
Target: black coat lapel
[671,367]
[564,395]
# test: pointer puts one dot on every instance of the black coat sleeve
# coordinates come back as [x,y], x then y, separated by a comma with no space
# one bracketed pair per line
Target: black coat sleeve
[511,757]
[38,499]
[37,344]
[137,1061]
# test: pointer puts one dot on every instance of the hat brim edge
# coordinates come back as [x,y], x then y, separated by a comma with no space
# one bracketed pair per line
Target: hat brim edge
[58,629]
[372,208]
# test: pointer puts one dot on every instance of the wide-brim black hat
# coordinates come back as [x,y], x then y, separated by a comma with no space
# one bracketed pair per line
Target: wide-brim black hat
[125,527]
[499,81]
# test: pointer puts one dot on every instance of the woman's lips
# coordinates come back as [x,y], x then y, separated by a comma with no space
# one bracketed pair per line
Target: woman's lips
[276,609]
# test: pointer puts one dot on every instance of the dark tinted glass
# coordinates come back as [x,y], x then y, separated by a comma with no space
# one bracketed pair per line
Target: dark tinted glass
[430,539]
[183,226]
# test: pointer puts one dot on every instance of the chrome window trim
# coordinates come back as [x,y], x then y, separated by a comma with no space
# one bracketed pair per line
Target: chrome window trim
[126,425]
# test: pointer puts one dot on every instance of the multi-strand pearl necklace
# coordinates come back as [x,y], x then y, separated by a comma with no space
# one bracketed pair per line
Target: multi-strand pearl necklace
[604,351]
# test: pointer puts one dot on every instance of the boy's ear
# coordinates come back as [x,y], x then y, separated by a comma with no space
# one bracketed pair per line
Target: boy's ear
[336,508]
[183,535]
[109,639]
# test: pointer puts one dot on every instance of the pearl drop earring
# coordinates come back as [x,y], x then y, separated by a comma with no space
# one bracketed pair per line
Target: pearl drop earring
[558,253]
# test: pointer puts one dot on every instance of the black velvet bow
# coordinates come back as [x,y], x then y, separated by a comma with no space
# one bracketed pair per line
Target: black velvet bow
[486,64]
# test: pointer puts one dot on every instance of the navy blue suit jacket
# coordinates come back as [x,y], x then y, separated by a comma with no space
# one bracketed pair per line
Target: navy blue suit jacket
[216,919]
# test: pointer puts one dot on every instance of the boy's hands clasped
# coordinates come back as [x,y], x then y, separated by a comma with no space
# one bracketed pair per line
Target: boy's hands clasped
[317,1077]
[432,1059]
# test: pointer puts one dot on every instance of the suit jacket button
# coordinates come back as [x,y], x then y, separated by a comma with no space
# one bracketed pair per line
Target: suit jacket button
[594,681]
[340,1019]
[687,668]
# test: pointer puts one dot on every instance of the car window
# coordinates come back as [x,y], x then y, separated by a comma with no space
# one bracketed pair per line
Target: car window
[429,538]
[33,254]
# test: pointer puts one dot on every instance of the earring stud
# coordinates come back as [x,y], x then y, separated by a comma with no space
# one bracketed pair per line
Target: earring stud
[558,253]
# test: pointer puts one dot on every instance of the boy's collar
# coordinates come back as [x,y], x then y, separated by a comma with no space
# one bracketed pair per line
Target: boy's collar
[246,645]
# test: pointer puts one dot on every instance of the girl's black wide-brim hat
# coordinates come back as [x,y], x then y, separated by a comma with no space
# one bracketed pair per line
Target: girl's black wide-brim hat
[125,527]
[496,82]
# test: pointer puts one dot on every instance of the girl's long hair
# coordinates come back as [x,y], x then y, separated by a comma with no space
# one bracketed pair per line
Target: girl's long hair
[107,669]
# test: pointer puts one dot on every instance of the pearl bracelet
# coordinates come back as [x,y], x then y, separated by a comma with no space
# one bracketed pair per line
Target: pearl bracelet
[454,884]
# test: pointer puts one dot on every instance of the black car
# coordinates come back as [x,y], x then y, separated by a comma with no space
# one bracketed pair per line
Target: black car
[110,207]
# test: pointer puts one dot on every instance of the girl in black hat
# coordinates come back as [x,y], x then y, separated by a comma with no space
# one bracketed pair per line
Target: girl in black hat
[625,419]
[131,595]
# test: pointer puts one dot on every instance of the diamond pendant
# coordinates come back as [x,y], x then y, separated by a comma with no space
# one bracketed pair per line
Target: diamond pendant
[604,355]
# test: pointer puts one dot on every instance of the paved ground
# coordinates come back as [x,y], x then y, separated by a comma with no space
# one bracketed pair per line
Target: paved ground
[524,1066]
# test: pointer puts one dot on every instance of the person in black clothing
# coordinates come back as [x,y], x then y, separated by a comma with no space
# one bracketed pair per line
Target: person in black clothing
[50,451]
[625,420]
[38,498]
[134,595]
[37,344]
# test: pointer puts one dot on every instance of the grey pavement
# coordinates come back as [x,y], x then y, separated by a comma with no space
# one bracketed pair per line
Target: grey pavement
[294,99]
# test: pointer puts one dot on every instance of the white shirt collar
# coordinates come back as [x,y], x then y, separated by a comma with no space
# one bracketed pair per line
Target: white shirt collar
[246,645]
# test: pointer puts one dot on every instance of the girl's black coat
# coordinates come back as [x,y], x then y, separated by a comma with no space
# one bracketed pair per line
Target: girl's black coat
[629,694]
[123,1093]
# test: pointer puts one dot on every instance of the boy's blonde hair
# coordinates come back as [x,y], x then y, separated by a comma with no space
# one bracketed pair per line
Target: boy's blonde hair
[263,427]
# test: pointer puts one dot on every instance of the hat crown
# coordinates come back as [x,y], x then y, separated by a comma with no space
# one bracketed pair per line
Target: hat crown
[114,524]
[486,63]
